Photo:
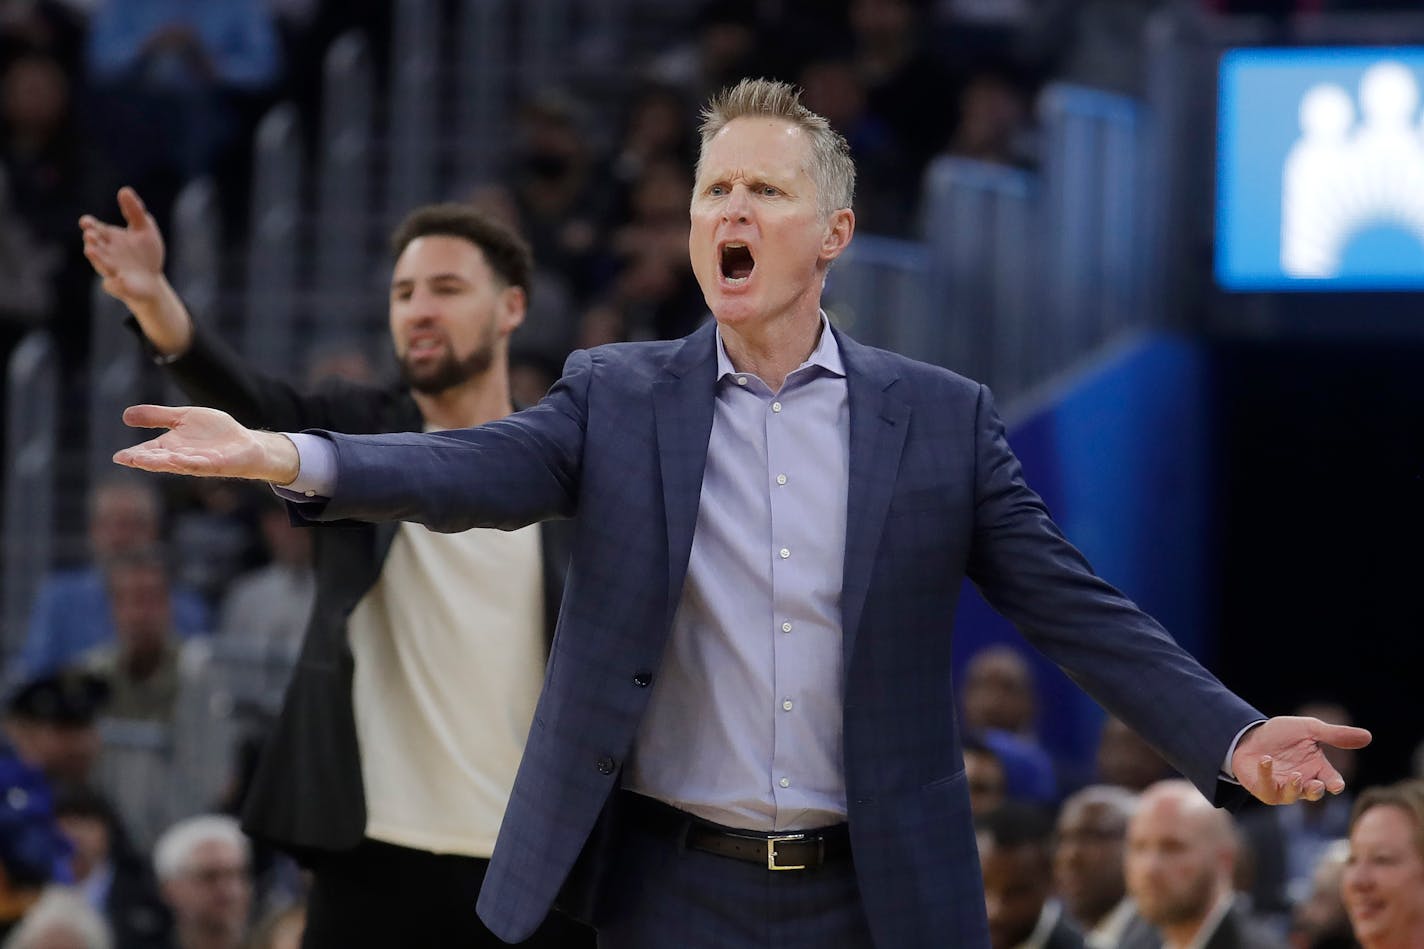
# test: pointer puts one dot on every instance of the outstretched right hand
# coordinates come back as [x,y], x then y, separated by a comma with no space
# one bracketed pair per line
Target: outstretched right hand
[207,443]
[129,259]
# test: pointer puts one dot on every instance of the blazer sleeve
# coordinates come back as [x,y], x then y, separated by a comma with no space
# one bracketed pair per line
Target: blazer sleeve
[505,474]
[210,373]
[1029,572]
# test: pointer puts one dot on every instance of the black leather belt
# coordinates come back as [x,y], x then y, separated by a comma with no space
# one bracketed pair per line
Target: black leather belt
[799,850]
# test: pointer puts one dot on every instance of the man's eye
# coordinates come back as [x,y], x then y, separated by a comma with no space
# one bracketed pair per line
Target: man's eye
[770,191]
[717,190]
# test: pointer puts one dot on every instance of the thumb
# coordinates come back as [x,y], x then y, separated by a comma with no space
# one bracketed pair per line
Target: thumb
[1341,736]
[153,416]
[132,207]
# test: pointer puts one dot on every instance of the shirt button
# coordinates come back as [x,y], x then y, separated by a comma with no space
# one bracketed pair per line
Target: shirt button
[785,782]
[605,765]
[642,679]
[786,705]
[781,479]
[310,494]
[776,406]
[741,380]
[786,627]
[785,553]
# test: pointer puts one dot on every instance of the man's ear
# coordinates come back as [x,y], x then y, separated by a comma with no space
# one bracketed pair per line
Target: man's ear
[513,305]
[839,229]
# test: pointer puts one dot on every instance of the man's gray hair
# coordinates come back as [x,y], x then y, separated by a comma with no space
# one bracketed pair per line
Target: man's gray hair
[831,166]
[174,850]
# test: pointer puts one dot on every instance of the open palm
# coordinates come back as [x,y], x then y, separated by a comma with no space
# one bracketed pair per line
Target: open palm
[207,443]
[1281,761]
[129,258]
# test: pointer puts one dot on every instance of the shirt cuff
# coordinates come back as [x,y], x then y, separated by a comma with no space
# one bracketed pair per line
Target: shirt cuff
[316,469]
[1227,774]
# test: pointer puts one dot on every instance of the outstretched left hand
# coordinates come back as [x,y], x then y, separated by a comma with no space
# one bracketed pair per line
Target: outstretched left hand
[1280,761]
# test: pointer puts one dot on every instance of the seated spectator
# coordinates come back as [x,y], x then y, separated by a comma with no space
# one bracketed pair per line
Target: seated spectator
[1383,883]
[166,735]
[1018,875]
[266,611]
[33,852]
[178,82]
[212,537]
[994,119]
[655,294]
[54,177]
[1087,866]
[50,724]
[203,869]
[1181,858]
[71,613]
[1319,921]
[1000,702]
[114,879]
[984,775]
[1125,760]
[907,87]
[884,201]
[60,919]
[723,49]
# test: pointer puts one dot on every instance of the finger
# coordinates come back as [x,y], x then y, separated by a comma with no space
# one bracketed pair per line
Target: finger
[1332,780]
[89,221]
[165,460]
[1341,736]
[1314,790]
[1266,778]
[100,262]
[135,214]
[153,416]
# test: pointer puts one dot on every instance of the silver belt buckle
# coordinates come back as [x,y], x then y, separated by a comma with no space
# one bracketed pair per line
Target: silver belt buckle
[771,843]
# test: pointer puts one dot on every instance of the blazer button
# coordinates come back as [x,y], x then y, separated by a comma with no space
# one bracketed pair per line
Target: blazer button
[605,765]
[642,679]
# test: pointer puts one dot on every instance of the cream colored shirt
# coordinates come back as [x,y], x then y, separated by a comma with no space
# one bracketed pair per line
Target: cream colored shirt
[450,658]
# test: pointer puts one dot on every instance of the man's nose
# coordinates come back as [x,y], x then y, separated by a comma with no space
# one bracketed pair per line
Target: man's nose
[738,206]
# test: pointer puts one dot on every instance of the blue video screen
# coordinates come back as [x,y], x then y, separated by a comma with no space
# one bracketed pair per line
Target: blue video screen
[1320,169]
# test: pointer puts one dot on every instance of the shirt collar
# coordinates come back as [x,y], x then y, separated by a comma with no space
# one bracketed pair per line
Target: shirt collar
[1047,919]
[827,353]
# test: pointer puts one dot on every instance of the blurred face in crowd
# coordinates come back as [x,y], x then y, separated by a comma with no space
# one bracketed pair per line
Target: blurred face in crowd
[122,518]
[35,96]
[64,752]
[1016,884]
[1087,859]
[1383,883]
[450,314]
[1180,855]
[138,599]
[1127,761]
[213,893]
[984,773]
[90,837]
[759,245]
[998,691]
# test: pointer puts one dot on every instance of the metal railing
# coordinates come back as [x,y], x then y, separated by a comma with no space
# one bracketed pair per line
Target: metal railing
[31,433]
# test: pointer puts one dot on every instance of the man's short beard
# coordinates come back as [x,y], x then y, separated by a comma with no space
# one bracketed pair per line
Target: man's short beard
[449,372]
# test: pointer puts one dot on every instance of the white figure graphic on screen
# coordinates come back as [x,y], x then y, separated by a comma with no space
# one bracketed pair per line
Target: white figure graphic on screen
[1342,178]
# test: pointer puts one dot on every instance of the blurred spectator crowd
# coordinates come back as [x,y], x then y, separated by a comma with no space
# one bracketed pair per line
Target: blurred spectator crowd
[151,669]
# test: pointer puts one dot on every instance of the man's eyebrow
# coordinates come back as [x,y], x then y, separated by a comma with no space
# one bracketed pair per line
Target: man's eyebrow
[433,278]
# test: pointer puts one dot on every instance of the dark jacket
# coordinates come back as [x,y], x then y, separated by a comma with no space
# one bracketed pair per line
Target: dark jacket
[307,794]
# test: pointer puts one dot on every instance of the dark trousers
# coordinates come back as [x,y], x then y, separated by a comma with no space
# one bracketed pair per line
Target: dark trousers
[657,894]
[383,896]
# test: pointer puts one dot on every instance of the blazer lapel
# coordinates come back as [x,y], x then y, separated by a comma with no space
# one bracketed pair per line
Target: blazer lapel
[683,402]
[878,423]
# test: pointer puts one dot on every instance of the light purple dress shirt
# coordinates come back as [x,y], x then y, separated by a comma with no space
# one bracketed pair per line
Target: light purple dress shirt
[744,724]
